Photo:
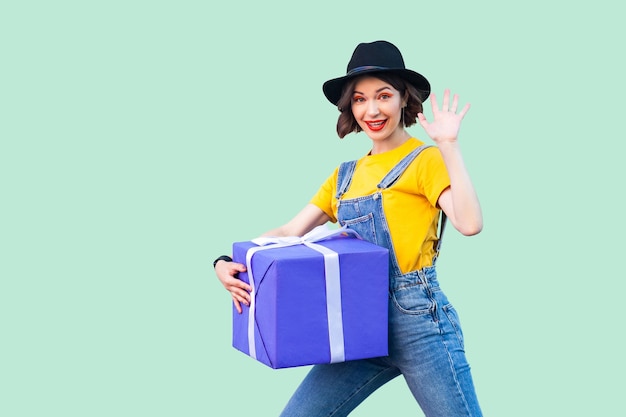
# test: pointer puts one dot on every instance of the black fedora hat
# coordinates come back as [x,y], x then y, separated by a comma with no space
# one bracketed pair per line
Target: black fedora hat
[378,56]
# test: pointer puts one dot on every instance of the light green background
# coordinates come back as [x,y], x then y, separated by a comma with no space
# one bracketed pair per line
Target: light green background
[139,139]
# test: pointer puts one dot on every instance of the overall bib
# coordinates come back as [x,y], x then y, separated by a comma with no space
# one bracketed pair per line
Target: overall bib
[425,337]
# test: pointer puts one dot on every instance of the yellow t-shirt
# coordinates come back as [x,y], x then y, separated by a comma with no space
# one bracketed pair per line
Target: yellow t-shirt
[410,204]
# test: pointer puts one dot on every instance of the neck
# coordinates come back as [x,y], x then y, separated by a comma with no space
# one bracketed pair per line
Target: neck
[390,143]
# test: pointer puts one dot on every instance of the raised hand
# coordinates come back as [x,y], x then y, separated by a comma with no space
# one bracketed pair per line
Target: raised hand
[446,122]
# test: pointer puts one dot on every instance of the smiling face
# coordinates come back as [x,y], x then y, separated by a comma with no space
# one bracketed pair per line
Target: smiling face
[377,108]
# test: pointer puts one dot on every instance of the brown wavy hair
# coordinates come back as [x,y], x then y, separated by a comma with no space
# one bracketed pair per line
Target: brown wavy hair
[347,123]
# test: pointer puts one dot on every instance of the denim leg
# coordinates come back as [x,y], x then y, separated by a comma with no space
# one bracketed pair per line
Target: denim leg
[337,389]
[427,346]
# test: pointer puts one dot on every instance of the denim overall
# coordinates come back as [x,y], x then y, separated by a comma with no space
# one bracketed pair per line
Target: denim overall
[425,337]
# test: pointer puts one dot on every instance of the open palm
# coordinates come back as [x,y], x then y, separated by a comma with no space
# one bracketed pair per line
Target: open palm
[446,122]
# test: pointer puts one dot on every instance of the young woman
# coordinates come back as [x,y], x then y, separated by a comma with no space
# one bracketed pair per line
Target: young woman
[393,196]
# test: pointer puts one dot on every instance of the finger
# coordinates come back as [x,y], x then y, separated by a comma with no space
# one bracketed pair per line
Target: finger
[464,110]
[236,285]
[433,102]
[240,288]
[239,267]
[244,296]
[446,100]
[455,103]
[241,297]
[241,284]
[422,119]
[237,305]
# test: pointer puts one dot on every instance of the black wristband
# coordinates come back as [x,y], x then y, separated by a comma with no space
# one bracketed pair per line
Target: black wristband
[222,258]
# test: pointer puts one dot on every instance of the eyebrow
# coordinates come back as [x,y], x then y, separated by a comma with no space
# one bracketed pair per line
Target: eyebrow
[378,91]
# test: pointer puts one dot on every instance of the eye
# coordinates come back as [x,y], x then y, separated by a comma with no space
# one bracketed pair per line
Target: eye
[385,96]
[358,99]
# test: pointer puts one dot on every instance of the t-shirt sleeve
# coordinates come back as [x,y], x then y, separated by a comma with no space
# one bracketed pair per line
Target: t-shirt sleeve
[324,198]
[432,175]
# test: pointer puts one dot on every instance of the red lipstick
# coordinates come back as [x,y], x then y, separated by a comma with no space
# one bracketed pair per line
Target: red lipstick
[376,125]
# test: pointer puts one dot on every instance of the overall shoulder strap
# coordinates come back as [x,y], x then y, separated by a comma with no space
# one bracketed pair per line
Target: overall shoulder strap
[442,227]
[400,167]
[344,177]
[393,176]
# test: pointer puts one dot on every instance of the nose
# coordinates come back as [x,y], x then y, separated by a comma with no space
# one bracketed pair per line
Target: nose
[372,108]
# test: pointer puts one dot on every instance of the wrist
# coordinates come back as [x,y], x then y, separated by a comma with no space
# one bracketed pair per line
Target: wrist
[222,258]
[449,143]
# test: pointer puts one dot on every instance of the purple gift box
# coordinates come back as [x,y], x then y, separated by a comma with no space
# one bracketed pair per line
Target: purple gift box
[312,308]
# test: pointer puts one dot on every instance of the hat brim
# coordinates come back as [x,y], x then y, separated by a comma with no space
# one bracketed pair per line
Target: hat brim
[334,87]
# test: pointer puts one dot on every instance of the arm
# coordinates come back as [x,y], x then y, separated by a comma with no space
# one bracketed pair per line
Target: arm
[459,201]
[308,218]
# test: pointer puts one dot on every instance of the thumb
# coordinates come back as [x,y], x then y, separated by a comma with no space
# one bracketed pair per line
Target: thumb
[240,267]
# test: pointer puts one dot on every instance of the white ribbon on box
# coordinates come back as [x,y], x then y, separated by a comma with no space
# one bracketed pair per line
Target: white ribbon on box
[333,283]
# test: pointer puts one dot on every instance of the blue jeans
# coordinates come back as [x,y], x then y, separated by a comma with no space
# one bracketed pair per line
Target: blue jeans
[425,347]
